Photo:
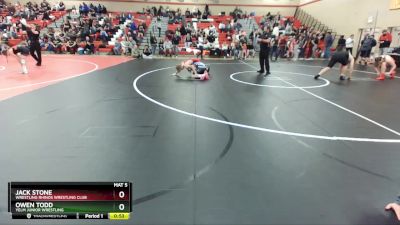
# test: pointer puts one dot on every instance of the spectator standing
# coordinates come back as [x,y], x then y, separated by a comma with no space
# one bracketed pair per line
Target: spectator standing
[175,44]
[321,45]
[159,26]
[282,46]
[308,47]
[314,44]
[302,43]
[153,43]
[366,46]
[161,49]
[275,30]
[201,45]
[350,44]
[224,49]
[384,42]
[341,42]
[274,49]
[291,44]
[188,41]
[328,45]
[296,50]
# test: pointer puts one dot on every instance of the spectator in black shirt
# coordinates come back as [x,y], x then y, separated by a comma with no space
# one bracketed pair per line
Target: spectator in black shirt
[341,42]
[153,43]
[89,46]
[175,44]
[161,47]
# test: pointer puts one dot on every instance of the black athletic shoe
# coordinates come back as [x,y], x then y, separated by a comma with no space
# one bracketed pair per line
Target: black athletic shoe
[267,73]
[260,71]
[38,64]
[342,78]
[317,76]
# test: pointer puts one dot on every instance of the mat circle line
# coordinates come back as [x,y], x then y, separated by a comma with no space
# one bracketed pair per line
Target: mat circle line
[267,130]
[232,77]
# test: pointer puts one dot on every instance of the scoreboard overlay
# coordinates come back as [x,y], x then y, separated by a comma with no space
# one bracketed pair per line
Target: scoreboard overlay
[70,200]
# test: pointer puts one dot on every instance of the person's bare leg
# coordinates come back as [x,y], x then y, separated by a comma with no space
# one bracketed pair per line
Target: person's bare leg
[351,67]
[22,61]
[393,67]
[193,69]
[383,68]
[322,72]
[176,73]
[395,207]
[393,71]
[381,75]
[343,68]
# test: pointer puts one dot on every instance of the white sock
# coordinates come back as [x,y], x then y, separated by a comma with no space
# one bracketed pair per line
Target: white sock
[23,64]
[24,69]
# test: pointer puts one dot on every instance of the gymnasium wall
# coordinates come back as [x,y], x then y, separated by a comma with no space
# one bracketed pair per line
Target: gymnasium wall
[348,16]
[261,7]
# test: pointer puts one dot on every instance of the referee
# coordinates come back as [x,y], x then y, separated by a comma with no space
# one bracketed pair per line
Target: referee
[265,40]
[34,44]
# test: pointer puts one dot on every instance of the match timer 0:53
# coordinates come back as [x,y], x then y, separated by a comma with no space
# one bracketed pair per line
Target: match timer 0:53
[118,216]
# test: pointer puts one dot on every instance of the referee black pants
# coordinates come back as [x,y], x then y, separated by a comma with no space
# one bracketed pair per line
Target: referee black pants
[264,61]
[35,48]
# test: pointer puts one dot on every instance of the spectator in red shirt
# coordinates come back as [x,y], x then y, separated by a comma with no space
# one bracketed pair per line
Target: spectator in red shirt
[384,42]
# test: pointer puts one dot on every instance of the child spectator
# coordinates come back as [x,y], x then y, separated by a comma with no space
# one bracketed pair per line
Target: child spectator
[168,47]
[153,42]
[117,48]
[188,41]
[147,54]
[175,44]
[161,50]
[224,49]
[71,46]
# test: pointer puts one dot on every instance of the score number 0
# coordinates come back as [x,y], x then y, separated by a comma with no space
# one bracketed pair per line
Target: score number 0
[121,194]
